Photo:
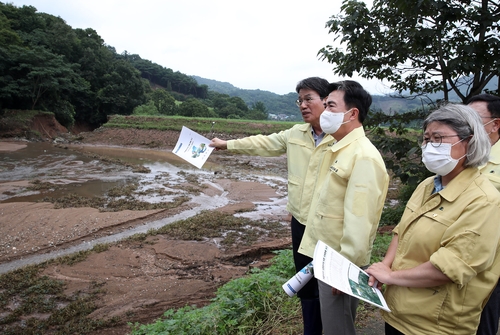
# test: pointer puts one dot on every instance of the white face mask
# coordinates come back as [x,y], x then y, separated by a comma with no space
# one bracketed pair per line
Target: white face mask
[487,123]
[330,122]
[438,160]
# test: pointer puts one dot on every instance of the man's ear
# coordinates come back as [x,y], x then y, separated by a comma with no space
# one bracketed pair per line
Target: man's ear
[355,113]
[496,125]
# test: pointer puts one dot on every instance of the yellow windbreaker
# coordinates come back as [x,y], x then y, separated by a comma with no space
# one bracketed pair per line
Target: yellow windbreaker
[303,159]
[492,168]
[349,198]
[457,230]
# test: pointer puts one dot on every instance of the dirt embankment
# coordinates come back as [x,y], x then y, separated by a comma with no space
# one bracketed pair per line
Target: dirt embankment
[42,126]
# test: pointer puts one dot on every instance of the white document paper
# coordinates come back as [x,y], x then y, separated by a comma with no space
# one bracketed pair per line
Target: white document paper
[192,147]
[337,271]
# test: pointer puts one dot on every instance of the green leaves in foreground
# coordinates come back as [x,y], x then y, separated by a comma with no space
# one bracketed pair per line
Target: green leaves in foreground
[255,304]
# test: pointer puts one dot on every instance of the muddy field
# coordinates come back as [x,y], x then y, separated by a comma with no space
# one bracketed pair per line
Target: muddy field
[140,279]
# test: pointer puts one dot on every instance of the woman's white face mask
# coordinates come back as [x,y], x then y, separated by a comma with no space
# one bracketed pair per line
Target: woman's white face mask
[438,160]
[330,122]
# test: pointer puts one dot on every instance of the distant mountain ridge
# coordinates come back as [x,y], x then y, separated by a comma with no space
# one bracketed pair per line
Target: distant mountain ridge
[275,103]
[217,86]
[285,104]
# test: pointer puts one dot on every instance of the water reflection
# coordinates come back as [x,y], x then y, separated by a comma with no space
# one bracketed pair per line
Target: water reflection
[81,171]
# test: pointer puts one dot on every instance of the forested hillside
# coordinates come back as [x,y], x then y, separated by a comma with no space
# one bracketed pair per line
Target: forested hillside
[47,65]
[275,103]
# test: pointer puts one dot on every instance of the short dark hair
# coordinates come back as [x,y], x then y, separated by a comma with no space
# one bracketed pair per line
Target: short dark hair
[355,96]
[317,84]
[492,103]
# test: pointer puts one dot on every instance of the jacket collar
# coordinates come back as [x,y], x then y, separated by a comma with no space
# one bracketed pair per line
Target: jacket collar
[495,153]
[459,184]
[305,127]
[354,135]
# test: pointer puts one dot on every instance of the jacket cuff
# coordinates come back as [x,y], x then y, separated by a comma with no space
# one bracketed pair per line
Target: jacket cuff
[452,267]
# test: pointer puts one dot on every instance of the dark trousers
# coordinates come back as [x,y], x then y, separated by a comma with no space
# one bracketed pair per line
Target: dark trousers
[309,294]
[491,313]
[310,290]
[390,330]
[338,312]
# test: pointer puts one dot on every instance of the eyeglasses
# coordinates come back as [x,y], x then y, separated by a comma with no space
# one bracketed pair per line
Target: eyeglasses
[434,140]
[299,102]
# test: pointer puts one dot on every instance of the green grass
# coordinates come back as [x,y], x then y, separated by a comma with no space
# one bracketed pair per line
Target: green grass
[254,304]
[380,246]
[199,125]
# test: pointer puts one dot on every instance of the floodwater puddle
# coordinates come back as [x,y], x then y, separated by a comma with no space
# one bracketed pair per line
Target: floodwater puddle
[82,172]
[95,171]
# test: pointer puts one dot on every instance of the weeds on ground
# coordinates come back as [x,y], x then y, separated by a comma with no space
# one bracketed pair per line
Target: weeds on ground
[34,304]
[213,224]
[112,204]
[38,185]
[380,246]
[392,214]
[255,304]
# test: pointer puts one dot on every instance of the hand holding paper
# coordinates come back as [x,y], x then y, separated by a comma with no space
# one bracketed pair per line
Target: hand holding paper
[192,147]
[337,271]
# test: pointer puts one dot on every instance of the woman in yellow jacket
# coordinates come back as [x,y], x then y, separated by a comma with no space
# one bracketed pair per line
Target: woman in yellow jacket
[443,260]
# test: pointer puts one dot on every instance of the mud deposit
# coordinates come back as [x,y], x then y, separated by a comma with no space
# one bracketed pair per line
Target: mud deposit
[45,213]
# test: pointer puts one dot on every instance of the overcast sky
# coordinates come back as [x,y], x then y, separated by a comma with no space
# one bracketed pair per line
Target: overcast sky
[261,44]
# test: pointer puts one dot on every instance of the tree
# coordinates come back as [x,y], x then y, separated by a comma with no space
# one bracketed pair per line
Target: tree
[239,103]
[122,90]
[258,111]
[37,73]
[147,109]
[424,46]
[7,35]
[195,108]
[163,101]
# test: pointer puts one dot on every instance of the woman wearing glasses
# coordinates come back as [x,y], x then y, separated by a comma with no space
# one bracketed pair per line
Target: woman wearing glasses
[443,260]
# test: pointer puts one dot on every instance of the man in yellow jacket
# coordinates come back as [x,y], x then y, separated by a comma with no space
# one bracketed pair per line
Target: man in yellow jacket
[488,108]
[349,195]
[304,145]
